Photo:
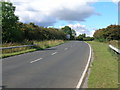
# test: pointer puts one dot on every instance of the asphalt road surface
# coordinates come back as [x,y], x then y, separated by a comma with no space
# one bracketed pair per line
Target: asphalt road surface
[56,67]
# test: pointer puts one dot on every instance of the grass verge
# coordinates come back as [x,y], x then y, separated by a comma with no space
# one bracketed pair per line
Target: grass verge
[104,69]
[48,43]
[40,46]
[17,53]
[115,43]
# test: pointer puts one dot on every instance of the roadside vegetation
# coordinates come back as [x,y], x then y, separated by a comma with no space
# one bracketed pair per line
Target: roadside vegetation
[16,33]
[83,37]
[111,32]
[104,69]
[115,43]
[38,46]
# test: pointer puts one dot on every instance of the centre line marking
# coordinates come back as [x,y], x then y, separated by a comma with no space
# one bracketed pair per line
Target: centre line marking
[36,60]
[54,53]
[65,48]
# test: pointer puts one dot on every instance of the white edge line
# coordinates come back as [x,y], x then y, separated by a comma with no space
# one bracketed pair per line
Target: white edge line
[36,60]
[85,70]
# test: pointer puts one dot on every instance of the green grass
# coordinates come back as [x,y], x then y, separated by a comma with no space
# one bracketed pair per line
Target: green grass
[104,69]
[17,53]
[40,46]
[48,43]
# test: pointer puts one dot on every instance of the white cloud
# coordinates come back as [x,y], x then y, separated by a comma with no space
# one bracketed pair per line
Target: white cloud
[81,29]
[47,12]
[115,1]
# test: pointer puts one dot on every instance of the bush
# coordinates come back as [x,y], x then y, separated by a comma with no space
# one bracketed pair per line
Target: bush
[88,39]
[111,32]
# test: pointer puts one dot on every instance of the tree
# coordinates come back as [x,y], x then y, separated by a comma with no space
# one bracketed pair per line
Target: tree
[69,31]
[81,36]
[11,31]
[34,32]
[88,39]
[73,34]
[112,32]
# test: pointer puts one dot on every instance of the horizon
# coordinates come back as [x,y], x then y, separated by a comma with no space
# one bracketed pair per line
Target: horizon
[95,15]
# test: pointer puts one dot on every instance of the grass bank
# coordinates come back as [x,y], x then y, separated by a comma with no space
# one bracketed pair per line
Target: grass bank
[40,45]
[104,69]
[115,43]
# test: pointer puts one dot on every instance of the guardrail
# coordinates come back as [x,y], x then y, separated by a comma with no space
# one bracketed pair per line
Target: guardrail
[2,48]
[115,49]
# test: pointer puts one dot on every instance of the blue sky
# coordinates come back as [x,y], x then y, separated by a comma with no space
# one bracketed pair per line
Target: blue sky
[85,16]
[108,15]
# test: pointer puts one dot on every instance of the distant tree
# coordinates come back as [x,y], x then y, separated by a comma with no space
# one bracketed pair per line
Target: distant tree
[111,32]
[69,31]
[34,32]
[15,31]
[10,30]
[88,39]
[100,35]
[81,36]
[73,34]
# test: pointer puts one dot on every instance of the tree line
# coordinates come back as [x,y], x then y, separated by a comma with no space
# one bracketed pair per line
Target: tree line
[83,37]
[112,32]
[15,31]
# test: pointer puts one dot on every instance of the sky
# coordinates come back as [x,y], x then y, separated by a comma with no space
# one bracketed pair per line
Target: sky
[84,16]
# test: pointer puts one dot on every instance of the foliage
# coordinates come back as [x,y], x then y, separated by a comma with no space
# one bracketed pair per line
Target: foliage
[88,39]
[15,31]
[48,43]
[69,31]
[34,32]
[11,32]
[82,37]
[115,43]
[39,45]
[112,32]
[73,34]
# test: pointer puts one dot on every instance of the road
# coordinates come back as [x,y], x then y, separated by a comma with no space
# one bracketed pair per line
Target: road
[56,67]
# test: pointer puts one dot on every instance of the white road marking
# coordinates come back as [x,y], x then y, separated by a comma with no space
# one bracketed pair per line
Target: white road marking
[54,53]
[36,60]
[65,48]
[85,70]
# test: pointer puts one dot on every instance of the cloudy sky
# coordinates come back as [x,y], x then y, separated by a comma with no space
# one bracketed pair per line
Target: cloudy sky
[85,16]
